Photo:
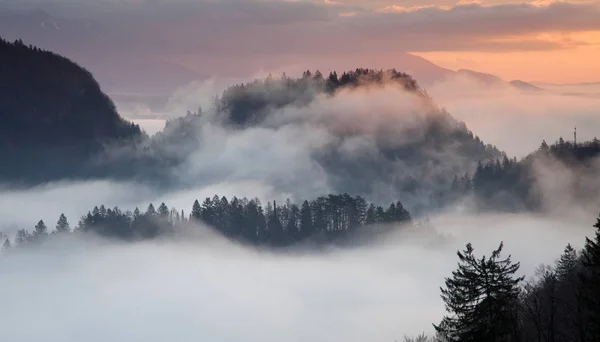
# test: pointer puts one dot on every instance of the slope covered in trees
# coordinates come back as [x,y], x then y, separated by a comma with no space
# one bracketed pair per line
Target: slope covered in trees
[394,143]
[519,185]
[54,116]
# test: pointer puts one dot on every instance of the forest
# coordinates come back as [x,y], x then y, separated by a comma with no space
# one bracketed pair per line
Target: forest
[323,219]
[484,297]
[510,184]
[486,301]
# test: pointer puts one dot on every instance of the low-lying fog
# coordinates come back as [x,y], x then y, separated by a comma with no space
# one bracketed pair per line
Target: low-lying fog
[208,289]
[516,121]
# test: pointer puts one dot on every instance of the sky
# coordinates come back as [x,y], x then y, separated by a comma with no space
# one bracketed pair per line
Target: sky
[536,41]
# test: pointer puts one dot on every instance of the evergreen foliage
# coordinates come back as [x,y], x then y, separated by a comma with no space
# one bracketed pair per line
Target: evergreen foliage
[62,225]
[480,296]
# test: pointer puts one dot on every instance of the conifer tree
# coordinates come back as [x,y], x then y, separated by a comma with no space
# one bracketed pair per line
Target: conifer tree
[163,210]
[480,297]
[196,211]
[591,282]
[62,226]
[6,245]
[306,223]
[40,230]
[371,215]
[22,237]
[151,211]
[567,263]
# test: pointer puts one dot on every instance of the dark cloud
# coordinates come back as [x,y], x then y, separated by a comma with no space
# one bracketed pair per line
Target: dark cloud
[238,37]
[292,27]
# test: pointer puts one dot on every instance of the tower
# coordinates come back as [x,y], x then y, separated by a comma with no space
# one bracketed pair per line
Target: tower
[575,137]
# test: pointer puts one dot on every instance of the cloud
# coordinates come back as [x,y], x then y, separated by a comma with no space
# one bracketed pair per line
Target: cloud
[209,289]
[518,121]
[266,27]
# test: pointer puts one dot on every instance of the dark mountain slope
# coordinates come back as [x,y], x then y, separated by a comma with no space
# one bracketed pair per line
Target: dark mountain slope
[54,116]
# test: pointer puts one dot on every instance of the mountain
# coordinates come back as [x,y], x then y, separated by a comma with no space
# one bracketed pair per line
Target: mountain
[525,86]
[133,54]
[379,135]
[487,79]
[54,116]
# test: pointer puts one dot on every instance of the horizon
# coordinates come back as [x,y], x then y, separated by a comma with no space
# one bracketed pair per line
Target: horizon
[181,41]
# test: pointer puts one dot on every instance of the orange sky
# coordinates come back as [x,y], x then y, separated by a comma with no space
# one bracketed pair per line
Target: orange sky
[569,65]
[571,55]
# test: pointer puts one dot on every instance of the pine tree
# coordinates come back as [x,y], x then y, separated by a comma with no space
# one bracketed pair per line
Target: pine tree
[591,282]
[567,264]
[163,210]
[40,230]
[306,223]
[23,237]
[6,246]
[151,211]
[480,297]
[196,211]
[62,226]
[371,215]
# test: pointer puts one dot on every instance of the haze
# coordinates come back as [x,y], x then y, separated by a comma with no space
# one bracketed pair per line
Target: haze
[496,78]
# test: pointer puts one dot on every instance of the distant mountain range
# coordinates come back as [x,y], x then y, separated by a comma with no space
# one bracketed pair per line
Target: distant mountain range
[126,61]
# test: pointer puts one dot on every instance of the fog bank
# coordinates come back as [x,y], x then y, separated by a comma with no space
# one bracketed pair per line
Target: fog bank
[209,289]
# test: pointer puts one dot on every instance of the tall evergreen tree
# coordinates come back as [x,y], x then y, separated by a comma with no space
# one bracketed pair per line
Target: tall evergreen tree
[480,296]
[62,226]
[163,211]
[40,231]
[151,211]
[6,245]
[567,264]
[196,211]
[371,215]
[306,223]
[591,282]
[22,237]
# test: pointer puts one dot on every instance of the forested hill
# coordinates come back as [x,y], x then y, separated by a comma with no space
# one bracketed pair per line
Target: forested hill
[249,103]
[553,175]
[54,116]
[385,138]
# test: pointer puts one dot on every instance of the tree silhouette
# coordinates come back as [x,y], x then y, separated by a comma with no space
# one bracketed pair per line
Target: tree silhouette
[480,296]
[62,226]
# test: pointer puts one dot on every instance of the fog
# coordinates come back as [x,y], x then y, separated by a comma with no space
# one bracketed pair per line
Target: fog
[205,288]
[202,287]
[24,208]
[517,121]
[514,120]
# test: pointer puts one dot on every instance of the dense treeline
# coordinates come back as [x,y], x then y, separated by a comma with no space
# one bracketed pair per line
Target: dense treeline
[511,185]
[485,299]
[326,218]
[55,118]
[487,302]
[413,162]
[249,103]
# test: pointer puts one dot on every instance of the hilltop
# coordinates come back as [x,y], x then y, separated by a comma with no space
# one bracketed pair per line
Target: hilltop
[55,118]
